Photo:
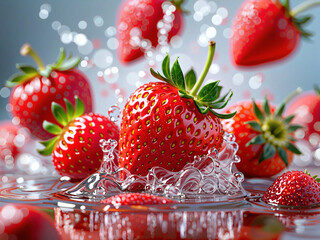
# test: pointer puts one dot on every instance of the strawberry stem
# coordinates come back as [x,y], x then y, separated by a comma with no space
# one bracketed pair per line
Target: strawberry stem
[197,86]
[303,7]
[26,50]
[292,95]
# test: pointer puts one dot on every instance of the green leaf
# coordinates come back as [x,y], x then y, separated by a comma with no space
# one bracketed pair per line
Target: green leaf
[293,148]
[160,77]
[166,66]
[191,79]
[184,94]
[61,57]
[223,115]
[177,75]
[266,106]
[317,89]
[18,79]
[280,109]
[209,92]
[47,71]
[51,128]
[49,145]
[288,119]
[68,64]
[201,108]
[70,109]
[255,125]
[59,113]
[301,20]
[283,155]
[293,128]
[268,152]
[79,107]
[27,69]
[257,111]
[256,140]
[218,104]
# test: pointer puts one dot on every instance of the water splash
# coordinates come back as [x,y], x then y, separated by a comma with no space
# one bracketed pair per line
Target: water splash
[114,113]
[208,177]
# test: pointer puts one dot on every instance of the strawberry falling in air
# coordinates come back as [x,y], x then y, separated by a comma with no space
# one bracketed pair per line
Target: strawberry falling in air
[267,30]
[168,123]
[264,136]
[294,188]
[75,149]
[143,24]
[35,90]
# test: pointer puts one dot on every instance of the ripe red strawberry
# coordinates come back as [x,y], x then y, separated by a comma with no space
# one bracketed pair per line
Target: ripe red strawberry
[36,89]
[167,124]
[137,199]
[264,137]
[306,107]
[26,223]
[145,23]
[75,149]
[266,30]
[12,139]
[294,188]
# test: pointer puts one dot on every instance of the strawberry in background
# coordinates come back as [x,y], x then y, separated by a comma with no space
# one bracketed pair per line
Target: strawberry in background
[306,107]
[12,140]
[167,123]
[35,90]
[143,23]
[267,30]
[75,147]
[21,222]
[264,136]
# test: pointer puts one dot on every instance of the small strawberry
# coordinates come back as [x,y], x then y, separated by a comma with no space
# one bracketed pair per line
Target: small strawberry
[136,199]
[266,30]
[12,139]
[75,149]
[145,23]
[23,222]
[264,137]
[294,188]
[306,107]
[168,123]
[35,90]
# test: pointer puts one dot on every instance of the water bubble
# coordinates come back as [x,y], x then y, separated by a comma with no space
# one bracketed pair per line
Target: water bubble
[176,42]
[111,75]
[4,92]
[63,29]
[237,79]
[82,24]
[66,37]
[216,20]
[211,32]
[305,158]
[114,113]
[110,31]
[228,33]
[198,16]
[222,12]
[43,14]
[236,159]
[214,69]
[80,39]
[239,177]
[56,25]
[86,49]
[102,58]
[203,40]
[98,21]
[112,43]
[255,81]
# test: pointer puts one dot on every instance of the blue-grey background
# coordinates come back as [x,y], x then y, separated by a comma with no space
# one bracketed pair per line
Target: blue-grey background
[20,23]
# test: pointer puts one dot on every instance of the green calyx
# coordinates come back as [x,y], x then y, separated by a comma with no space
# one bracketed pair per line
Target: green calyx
[206,98]
[299,22]
[178,4]
[29,72]
[317,89]
[63,117]
[315,176]
[275,131]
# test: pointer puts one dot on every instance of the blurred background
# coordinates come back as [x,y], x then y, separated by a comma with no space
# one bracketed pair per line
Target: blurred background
[87,29]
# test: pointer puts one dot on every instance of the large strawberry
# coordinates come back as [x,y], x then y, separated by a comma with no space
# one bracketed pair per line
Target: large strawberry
[168,123]
[23,222]
[36,89]
[266,30]
[75,149]
[266,145]
[306,107]
[145,23]
[294,188]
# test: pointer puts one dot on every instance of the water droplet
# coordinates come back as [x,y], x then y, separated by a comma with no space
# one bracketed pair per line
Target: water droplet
[236,159]
[239,177]
[80,39]
[82,24]
[103,58]
[114,113]
[98,21]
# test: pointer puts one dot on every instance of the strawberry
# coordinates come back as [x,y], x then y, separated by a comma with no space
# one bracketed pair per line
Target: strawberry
[26,223]
[75,149]
[136,199]
[266,145]
[145,23]
[168,123]
[12,139]
[306,107]
[35,90]
[294,188]
[265,31]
